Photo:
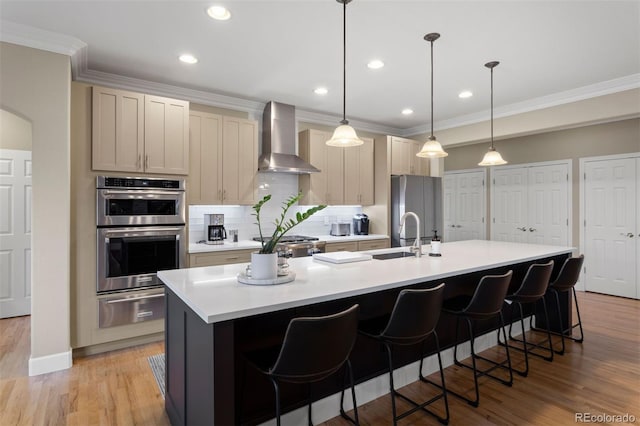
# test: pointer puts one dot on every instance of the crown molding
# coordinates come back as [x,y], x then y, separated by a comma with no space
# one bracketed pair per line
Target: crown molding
[25,35]
[568,96]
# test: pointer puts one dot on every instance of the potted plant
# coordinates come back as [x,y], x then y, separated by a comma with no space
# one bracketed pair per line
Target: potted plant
[264,263]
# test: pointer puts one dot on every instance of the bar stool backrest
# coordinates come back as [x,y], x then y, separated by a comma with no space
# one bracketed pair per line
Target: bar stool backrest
[489,296]
[414,316]
[535,282]
[316,347]
[569,274]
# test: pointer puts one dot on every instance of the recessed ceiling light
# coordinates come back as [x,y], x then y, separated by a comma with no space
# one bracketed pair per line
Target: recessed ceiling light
[188,59]
[407,111]
[465,94]
[375,64]
[321,91]
[219,12]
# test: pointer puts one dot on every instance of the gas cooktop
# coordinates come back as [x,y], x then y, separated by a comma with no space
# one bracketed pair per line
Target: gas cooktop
[292,239]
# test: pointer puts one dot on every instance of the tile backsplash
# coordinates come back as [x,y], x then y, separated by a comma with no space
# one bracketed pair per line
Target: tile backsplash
[280,186]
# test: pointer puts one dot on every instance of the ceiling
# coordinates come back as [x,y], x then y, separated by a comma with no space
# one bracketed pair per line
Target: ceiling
[282,50]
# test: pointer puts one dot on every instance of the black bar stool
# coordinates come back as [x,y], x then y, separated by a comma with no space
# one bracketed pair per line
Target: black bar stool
[313,349]
[566,281]
[486,303]
[412,321]
[531,291]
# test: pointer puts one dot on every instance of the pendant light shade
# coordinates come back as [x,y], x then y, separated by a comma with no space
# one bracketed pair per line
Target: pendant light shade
[432,148]
[344,135]
[493,157]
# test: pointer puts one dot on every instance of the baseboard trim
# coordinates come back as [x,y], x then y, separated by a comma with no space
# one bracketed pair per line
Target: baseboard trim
[328,408]
[50,363]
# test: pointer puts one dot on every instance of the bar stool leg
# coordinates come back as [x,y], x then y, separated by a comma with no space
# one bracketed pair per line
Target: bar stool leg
[309,422]
[575,301]
[343,413]
[392,390]
[277,391]
[562,329]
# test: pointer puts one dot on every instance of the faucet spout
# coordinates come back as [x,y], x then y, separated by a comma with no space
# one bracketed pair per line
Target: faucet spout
[417,246]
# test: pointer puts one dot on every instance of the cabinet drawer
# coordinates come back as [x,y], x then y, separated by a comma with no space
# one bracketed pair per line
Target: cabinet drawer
[220,258]
[332,247]
[373,244]
[130,309]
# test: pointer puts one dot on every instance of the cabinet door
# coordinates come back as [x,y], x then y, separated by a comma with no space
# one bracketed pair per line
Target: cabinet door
[313,148]
[166,135]
[366,173]
[239,160]
[419,166]
[205,149]
[358,174]
[117,130]
[335,175]
[400,151]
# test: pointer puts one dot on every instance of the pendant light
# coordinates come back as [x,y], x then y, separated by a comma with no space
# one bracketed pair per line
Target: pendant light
[432,148]
[344,135]
[492,157]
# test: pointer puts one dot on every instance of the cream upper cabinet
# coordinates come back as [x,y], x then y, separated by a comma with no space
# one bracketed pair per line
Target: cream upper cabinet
[117,130]
[358,174]
[132,132]
[239,160]
[224,159]
[326,187]
[166,135]
[404,160]
[205,148]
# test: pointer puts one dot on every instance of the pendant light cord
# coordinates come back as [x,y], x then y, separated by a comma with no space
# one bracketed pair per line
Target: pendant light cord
[431,89]
[344,63]
[492,109]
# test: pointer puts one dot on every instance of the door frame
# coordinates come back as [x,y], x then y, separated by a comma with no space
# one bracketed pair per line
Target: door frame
[581,177]
[484,193]
[567,162]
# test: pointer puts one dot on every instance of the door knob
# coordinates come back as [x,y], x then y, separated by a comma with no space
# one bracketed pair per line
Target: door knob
[523,229]
[630,234]
[532,229]
[458,226]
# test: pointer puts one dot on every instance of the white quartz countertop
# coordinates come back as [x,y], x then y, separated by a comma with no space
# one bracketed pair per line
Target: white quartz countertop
[250,244]
[215,295]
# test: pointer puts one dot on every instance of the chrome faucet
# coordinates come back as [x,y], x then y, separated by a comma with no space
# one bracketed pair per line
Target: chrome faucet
[416,248]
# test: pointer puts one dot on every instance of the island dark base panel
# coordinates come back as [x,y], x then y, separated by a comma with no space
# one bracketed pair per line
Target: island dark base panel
[209,382]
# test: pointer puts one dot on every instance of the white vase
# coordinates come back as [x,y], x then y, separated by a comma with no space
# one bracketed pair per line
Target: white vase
[264,266]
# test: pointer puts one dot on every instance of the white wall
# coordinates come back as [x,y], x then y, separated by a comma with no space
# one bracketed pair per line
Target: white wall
[35,84]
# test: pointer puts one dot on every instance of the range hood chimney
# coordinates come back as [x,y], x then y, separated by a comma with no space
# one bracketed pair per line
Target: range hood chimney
[279,141]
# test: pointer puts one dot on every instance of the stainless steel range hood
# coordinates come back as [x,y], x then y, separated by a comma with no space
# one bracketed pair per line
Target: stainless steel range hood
[279,141]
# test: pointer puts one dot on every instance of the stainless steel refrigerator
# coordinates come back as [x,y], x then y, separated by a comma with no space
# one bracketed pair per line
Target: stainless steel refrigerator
[421,195]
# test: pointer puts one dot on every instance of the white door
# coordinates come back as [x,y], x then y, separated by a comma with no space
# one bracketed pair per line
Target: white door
[15,233]
[610,228]
[449,207]
[464,205]
[548,205]
[510,205]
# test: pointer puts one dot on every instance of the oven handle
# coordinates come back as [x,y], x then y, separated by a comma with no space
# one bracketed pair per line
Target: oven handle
[133,299]
[138,192]
[165,230]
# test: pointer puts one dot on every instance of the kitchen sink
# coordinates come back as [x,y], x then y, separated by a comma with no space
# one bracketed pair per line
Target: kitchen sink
[395,255]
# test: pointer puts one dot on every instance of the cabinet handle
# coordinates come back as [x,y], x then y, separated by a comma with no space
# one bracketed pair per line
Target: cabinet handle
[232,258]
[224,194]
[146,161]
[219,194]
[138,163]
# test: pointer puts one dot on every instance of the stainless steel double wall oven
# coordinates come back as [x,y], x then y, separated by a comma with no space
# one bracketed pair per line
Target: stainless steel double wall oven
[140,231]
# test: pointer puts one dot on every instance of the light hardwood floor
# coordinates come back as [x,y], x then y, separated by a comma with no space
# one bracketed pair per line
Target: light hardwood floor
[601,376]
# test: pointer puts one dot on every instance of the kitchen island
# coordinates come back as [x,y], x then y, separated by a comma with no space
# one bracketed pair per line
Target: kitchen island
[211,320]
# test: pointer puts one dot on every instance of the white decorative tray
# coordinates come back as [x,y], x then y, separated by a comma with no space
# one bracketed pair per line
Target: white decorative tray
[242,278]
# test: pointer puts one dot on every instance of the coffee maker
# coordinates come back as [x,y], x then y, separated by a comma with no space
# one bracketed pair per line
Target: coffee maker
[214,228]
[360,224]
